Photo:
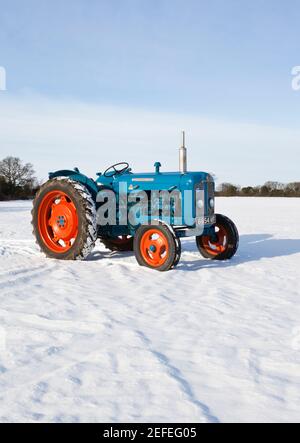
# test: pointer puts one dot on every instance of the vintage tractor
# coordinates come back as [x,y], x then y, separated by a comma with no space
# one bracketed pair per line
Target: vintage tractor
[66,223]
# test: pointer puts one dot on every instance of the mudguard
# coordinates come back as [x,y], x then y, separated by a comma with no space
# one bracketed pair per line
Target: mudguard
[77,176]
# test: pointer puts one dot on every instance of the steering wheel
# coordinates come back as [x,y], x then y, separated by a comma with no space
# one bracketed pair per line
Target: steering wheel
[117,169]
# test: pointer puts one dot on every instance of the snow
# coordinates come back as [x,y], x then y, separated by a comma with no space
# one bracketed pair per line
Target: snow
[105,340]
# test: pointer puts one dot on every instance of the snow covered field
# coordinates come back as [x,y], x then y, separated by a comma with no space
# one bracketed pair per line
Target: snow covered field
[107,340]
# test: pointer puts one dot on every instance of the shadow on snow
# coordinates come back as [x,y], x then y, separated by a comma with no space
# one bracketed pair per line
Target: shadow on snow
[253,247]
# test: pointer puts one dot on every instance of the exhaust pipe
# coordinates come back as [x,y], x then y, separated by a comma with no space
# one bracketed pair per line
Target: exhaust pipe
[183,156]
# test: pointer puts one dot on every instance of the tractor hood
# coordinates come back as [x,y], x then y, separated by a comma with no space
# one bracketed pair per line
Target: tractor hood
[156,181]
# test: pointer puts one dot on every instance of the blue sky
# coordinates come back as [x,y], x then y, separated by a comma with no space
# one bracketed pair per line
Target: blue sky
[160,65]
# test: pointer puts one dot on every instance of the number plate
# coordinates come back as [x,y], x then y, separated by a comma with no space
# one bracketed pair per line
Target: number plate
[210,220]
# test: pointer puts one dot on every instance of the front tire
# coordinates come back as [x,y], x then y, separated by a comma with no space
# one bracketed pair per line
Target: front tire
[157,247]
[64,219]
[224,244]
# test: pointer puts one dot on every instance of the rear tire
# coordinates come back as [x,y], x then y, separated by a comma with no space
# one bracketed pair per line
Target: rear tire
[157,247]
[64,219]
[225,246]
[122,243]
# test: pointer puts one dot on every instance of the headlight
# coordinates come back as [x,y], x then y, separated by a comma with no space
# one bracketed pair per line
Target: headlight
[212,203]
[200,204]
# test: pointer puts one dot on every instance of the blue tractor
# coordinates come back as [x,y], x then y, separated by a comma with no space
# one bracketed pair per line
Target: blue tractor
[66,221]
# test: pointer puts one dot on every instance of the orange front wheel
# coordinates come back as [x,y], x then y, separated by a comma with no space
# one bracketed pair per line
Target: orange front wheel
[156,247]
[222,243]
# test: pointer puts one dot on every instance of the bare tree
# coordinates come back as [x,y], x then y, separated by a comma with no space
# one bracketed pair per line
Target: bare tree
[15,173]
[228,190]
[248,191]
[269,189]
[293,189]
[275,186]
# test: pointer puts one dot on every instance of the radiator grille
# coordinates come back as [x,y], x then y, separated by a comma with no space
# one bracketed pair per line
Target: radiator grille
[209,192]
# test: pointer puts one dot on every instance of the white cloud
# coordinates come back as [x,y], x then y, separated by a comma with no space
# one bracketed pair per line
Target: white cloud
[63,134]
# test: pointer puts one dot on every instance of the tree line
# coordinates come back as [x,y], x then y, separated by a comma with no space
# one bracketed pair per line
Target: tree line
[17,180]
[269,189]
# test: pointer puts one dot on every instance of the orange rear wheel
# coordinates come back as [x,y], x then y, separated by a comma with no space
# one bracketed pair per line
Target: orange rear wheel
[121,243]
[58,221]
[64,219]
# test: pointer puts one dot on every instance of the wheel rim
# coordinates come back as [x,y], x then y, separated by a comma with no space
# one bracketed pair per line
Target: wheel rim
[218,246]
[58,221]
[154,248]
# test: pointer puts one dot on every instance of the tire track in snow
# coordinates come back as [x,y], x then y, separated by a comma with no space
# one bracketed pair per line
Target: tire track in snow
[176,375]
[38,322]
[16,271]
[12,251]
[84,348]
[25,275]
[18,247]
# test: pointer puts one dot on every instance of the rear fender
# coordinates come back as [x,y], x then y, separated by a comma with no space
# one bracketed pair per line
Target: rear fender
[75,175]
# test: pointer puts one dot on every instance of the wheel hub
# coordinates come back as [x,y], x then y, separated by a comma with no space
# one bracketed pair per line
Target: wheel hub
[61,221]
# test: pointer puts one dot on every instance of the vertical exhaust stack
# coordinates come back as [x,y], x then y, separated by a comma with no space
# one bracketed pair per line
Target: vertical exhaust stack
[183,156]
